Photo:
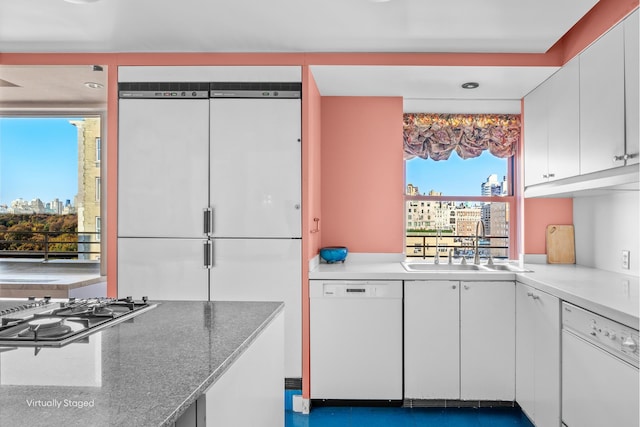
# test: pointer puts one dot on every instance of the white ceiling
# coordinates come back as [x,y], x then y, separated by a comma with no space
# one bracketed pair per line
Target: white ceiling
[501,26]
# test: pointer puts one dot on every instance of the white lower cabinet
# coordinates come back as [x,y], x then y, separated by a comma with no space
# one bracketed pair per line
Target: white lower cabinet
[459,340]
[487,341]
[431,339]
[538,355]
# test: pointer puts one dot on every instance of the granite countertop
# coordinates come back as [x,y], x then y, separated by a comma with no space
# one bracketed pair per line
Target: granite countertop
[143,372]
[610,294]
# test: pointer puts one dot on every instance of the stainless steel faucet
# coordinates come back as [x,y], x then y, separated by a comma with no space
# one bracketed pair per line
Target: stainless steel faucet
[476,257]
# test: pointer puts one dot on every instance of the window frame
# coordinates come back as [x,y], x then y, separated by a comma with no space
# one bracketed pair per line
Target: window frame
[98,188]
[98,150]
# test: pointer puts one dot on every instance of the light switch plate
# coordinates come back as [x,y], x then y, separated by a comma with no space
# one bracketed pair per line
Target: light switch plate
[625,260]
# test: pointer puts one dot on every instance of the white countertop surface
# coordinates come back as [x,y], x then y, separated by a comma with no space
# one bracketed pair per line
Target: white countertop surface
[609,294]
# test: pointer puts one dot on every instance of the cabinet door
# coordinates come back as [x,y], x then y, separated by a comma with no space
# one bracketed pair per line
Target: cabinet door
[564,122]
[162,269]
[431,340]
[487,341]
[525,330]
[547,359]
[256,167]
[535,136]
[163,168]
[602,102]
[631,79]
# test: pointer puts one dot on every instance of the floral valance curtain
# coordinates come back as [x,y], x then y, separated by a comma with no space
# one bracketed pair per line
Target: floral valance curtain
[435,136]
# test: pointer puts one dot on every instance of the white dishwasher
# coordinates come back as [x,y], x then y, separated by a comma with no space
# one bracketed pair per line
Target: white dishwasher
[600,382]
[356,340]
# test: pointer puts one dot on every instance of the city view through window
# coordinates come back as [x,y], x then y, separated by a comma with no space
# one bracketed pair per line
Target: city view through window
[435,225]
[50,187]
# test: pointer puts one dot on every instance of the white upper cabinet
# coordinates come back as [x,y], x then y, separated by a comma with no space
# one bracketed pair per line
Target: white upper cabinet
[602,123]
[552,128]
[631,82]
[536,135]
[564,122]
[581,125]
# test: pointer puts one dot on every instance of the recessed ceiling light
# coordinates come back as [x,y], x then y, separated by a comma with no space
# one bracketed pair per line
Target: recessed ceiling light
[379,1]
[470,85]
[94,85]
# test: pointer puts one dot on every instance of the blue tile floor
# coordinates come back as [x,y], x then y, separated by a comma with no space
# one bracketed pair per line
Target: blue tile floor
[407,417]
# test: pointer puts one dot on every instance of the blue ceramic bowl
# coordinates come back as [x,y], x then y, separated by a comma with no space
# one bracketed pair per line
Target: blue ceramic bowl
[333,254]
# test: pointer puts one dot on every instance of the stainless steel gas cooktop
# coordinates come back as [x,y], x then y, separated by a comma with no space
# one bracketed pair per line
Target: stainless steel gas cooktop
[47,323]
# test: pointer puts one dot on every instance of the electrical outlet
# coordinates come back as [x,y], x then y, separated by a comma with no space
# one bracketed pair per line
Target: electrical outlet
[625,260]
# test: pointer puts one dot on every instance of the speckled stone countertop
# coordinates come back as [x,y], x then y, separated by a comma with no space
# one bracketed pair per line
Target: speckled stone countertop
[143,372]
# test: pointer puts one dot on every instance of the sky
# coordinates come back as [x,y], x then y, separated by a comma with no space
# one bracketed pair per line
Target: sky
[38,159]
[455,176]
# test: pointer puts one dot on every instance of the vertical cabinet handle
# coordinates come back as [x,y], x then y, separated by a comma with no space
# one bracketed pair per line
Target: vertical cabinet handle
[207,216]
[208,254]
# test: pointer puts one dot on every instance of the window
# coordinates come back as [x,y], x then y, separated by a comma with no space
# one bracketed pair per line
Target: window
[98,228]
[98,148]
[464,186]
[46,172]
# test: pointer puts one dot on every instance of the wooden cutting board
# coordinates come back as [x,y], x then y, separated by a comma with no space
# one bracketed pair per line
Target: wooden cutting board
[560,244]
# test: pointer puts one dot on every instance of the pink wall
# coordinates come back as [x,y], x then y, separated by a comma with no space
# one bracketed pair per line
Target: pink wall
[604,15]
[538,214]
[362,173]
[311,203]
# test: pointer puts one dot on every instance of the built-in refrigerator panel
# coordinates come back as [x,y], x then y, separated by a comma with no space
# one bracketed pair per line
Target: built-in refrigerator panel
[163,269]
[263,270]
[256,167]
[163,170]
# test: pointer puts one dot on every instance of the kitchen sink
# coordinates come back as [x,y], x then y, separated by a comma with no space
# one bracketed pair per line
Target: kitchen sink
[506,267]
[422,266]
[413,266]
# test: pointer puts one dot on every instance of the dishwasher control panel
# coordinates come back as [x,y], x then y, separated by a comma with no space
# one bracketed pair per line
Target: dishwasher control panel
[612,336]
[355,289]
